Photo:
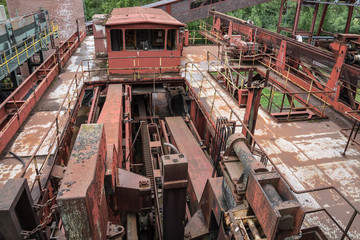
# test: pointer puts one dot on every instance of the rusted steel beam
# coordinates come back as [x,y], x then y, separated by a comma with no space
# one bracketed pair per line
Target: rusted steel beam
[111,117]
[295,49]
[175,181]
[93,107]
[302,52]
[199,167]
[31,91]
[81,196]
[127,121]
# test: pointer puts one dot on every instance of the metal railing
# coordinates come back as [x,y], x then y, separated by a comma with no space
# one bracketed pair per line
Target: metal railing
[195,38]
[195,79]
[303,97]
[233,79]
[71,96]
[18,54]
[192,72]
[210,32]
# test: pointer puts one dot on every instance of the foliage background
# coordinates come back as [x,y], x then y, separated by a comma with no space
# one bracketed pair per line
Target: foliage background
[264,15]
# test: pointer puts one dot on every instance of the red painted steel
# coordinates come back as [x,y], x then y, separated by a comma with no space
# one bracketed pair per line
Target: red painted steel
[31,90]
[111,117]
[136,15]
[272,215]
[290,48]
[143,18]
[199,167]
[127,121]
[99,35]
[81,196]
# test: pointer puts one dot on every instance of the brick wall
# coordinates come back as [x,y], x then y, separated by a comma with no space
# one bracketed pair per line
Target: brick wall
[65,12]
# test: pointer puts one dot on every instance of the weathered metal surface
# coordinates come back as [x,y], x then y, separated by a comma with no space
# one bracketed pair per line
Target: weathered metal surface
[128,61]
[99,35]
[175,181]
[16,210]
[307,154]
[11,119]
[212,203]
[199,167]
[127,119]
[281,218]
[133,192]
[81,196]
[25,142]
[196,227]
[131,227]
[111,117]
[334,88]
[136,15]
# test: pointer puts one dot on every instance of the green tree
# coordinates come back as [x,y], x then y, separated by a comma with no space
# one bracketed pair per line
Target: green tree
[3,2]
[264,15]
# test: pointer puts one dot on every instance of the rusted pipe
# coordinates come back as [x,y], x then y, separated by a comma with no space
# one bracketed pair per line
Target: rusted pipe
[238,144]
[253,229]
[172,147]
[272,194]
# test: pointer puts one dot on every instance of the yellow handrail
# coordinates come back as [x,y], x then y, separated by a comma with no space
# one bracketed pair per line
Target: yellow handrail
[55,30]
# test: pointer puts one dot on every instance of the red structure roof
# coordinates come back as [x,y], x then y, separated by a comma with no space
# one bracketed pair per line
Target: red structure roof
[134,15]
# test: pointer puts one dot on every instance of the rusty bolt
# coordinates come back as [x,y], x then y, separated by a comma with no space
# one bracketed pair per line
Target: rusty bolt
[143,183]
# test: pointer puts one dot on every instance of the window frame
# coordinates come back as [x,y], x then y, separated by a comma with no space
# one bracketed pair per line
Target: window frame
[122,40]
[150,49]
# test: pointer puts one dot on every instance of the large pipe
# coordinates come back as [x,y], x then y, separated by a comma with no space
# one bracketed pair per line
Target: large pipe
[237,143]
[242,151]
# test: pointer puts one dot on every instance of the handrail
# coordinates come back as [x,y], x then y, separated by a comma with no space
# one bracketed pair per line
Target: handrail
[55,30]
[255,148]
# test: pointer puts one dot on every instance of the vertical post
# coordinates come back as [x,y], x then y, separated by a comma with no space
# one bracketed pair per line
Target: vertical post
[297,17]
[348,21]
[58,59]
[78,32]
[350,136]
[313,23]
[134,69]
[174,195]
[252,107]
[291,106]
[322,19]
[89,70]
[280,15]
[208,60]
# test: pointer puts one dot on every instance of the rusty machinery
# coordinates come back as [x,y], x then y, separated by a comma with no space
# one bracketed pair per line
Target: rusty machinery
[248,202]
[140,169]
[331,75]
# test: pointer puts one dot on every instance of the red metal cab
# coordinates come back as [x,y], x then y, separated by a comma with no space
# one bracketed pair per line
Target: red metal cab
[144,38]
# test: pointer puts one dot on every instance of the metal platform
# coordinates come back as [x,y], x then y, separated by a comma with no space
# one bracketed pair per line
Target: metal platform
[307,154]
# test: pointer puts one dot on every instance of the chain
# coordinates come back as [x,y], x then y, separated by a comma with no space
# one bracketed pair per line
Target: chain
[27,234]
[47,203]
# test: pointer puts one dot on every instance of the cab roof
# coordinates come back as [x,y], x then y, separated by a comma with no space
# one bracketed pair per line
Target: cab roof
[136,15]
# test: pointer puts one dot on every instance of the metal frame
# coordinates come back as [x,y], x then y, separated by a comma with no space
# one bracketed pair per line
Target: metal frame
[15,109]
